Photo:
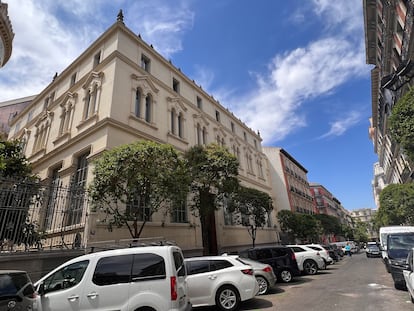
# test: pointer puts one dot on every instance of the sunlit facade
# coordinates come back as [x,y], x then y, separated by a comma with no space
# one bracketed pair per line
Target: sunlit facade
[389,47]
[120,90]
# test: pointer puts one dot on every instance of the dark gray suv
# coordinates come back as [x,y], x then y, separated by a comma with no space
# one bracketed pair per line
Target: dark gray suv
[16,291]
[281,258]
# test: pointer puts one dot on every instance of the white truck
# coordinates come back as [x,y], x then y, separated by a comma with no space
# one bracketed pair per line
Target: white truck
[383,234]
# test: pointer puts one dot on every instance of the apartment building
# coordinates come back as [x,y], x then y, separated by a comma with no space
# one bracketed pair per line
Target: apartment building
[6,35]
[389,47]
[290,184]
[366,215]
[120,90]
[9,109]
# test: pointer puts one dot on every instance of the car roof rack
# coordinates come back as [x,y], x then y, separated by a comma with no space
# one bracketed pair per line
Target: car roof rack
[127,243]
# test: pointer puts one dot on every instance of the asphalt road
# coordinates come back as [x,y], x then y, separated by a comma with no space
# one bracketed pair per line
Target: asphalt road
[356,283]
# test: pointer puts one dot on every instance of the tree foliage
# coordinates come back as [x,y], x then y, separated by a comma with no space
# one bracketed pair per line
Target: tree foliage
[401,123]
[330,224]
[254,207]
[396,205]
[133,181]
[360,232]
[213,172]
[301,226]
[13,163]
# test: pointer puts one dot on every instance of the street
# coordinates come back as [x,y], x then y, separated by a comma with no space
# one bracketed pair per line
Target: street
[354,283]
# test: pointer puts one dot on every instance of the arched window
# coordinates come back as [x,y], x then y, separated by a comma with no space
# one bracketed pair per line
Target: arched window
[204,136]
[199,134]
[148,104]
[180,125]
[88,104]
[173,121]
[138,96]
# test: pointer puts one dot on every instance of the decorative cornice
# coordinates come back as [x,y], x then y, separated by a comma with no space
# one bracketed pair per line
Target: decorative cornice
[6,34]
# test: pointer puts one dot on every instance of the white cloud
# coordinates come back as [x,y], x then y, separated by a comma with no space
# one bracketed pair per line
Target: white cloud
[339,127]
[296,76]
[50,34]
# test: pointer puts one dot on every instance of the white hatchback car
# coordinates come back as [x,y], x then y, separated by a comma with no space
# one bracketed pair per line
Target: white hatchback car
[323,252]
[129,279]
[222,281]
[309,260]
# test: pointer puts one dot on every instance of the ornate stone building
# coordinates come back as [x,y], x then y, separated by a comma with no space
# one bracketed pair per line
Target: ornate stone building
[120,90]
[390,48]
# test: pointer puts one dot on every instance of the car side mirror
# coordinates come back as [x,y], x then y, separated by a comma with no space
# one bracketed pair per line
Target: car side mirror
[41,289]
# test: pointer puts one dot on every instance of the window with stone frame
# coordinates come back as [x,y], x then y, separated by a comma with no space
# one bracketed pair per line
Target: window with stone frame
[137,208]
[179,212]
[73,215]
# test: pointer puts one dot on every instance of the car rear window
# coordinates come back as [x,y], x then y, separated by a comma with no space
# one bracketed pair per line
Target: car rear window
[219,264]
[10,284]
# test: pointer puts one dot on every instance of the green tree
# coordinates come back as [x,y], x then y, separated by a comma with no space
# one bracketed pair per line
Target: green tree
[213,172]
[396,205]
[254,207]
[13,163]
[401,123]
[330,224]
[301,226]
[361,231]
[133,181]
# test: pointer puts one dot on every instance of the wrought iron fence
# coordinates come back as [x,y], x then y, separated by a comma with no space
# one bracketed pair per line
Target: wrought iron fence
[38,216]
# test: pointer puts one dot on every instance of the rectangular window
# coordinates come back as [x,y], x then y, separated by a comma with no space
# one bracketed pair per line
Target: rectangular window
[145,63]
[176,85]
[96,59]
[245,136]
[232,127]
[179,213]
[217,116]
[73,79]
[137,208]
[199,103]
[78,194]
[53,199]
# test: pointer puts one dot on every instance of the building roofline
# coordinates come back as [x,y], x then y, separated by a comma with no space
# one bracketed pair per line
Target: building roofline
[17,101]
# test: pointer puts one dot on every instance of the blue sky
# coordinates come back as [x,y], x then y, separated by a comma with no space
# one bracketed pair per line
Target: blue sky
[294,70]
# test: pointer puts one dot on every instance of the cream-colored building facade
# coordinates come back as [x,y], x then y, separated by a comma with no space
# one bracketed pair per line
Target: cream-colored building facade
[120,90]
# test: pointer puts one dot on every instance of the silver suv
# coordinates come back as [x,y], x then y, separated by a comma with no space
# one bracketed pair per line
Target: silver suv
[16,291]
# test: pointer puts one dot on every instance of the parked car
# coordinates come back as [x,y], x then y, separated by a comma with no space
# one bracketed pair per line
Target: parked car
[221,281]
[333,252]
[323,252]
[398,247]
[17,291]
[281,258]
[138,278]
[309,260]
[372,250]
[408,274]
[264,274]
[338,250]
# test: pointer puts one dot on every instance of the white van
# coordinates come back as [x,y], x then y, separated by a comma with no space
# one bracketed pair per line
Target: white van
[129,279]
[383,234]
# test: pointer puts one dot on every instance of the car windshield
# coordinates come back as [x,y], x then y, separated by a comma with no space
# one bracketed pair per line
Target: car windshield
[399,245]
[373,247]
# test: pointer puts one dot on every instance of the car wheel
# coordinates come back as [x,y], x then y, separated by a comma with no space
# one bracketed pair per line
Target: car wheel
[285,276]
[227,298]
[263,285]
[310,267]
[400,285]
